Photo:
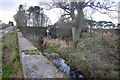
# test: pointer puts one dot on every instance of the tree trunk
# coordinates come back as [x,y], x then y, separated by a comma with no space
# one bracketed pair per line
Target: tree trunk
[75,35]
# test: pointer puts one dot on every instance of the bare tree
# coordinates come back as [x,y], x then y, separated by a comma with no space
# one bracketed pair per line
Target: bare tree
[74,10]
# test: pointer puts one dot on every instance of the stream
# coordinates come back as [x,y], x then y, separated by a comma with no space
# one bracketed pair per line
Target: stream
[60,63]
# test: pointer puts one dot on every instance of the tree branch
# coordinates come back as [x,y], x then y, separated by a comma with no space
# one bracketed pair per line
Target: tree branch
[98,10]
[66,18]
[64,15]
[86,4]
[98,5]
[103,12]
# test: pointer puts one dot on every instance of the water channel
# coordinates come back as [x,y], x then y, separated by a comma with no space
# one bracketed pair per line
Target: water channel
[60,63]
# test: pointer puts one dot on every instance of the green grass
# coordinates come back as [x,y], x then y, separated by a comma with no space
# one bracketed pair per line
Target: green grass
[12,67]
[55,56]
[5,26]
[51,48]
[0,56]
[7,69]
[92,56]
[54,48]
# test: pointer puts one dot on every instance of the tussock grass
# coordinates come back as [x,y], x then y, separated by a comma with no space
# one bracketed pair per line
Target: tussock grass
[0,57]
[95,56]
[11,65]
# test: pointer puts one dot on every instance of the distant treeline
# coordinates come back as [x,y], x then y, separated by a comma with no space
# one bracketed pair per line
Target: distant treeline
[107,31]
[60,33]
[33,30]
[42,31]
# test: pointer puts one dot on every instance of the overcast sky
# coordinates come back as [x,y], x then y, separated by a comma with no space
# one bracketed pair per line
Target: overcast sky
[8,8]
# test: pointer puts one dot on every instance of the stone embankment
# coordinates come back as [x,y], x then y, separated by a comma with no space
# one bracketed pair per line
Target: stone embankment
[35,65]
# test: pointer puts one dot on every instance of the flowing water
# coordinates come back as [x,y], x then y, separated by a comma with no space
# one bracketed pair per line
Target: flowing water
[60,63]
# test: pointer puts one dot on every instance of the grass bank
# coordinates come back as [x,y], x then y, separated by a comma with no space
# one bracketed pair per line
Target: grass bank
[96,56]
[0,57]
[10,58]
[5,26]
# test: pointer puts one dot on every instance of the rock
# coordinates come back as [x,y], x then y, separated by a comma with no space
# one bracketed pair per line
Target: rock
[0,70]
[65,67]
[80,76]
[73,76]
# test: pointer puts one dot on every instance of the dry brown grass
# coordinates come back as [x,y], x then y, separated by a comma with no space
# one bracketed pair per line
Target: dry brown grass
[50,41]
[10,57]
[95,55]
